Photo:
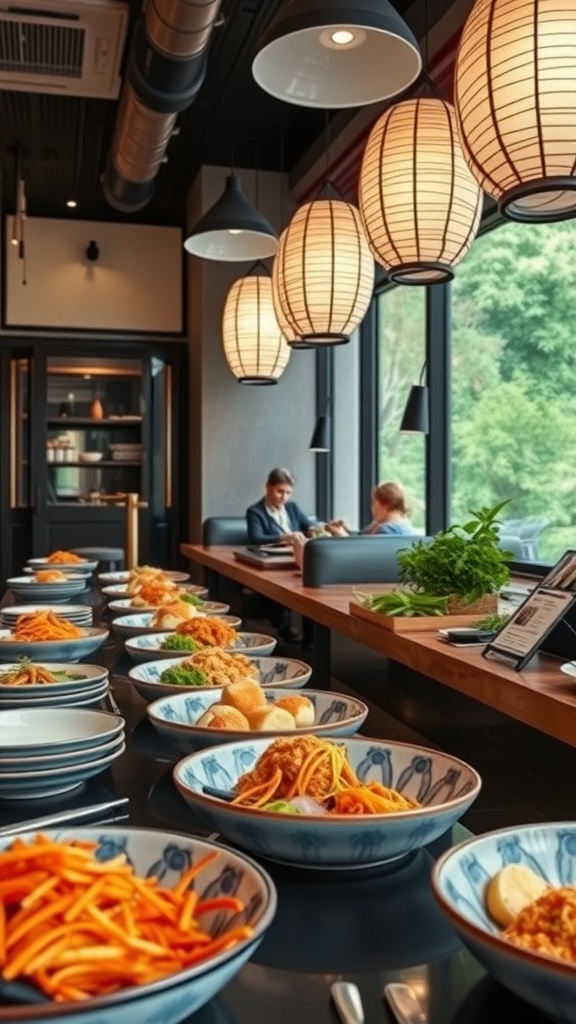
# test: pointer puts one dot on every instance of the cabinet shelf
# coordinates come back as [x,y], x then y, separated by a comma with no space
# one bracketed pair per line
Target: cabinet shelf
[87,421]
[94,465]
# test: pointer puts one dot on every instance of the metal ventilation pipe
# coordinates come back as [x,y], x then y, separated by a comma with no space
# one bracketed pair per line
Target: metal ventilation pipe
[166,68]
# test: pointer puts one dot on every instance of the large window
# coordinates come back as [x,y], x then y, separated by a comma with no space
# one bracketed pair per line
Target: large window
[514,384]
[401,355]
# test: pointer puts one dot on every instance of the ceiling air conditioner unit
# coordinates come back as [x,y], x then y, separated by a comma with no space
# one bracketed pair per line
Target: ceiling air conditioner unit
[73,49]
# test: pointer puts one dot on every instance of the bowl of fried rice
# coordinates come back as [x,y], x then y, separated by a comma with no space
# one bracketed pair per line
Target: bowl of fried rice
[534,955]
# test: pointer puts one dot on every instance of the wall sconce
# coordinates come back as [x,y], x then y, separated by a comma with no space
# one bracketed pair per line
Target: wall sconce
[321,437]
[92,252]
[416,416]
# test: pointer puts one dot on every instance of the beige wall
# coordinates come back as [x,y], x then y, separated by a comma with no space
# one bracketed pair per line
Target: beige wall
[135,285]
[237,433]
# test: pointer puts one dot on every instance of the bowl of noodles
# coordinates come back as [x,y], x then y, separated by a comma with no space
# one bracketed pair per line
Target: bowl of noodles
[330,804]
[45,636]
[186,915]
[532,950]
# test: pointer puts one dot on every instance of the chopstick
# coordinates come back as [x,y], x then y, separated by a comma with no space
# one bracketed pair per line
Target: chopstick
[77,814]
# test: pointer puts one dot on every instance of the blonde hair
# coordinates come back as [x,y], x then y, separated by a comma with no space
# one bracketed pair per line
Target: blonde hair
[392,495]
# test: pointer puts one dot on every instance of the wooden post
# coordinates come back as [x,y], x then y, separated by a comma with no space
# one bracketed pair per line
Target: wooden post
[132,559]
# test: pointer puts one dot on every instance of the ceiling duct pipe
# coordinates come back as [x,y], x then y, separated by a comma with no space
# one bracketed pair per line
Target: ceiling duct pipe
[166,68]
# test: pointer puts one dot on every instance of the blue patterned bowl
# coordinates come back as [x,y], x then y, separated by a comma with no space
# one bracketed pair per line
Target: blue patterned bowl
[175,717]
[169,1000]
[285,673]
[27,589]
[459,881]
[443,784]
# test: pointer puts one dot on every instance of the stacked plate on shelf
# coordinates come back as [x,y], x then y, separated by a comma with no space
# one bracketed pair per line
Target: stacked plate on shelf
[125,452]
[46,751]
[75,686]
[79,614]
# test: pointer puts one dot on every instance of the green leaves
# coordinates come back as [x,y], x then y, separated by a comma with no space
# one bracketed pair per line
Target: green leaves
[406,603]
[464,560]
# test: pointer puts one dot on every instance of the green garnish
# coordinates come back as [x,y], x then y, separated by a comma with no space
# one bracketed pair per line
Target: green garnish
[192,599]
[281,806]
[175,642]
[403,603]
[492,622]
[180,675]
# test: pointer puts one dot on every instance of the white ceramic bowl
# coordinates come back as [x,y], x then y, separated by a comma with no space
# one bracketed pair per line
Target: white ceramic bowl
[175,997]
[53,650]
[459,881]
[291,675]
[90,456]
[122,605]
[121,576]
[53,730]
[27,589]
[442,784]
[175,718]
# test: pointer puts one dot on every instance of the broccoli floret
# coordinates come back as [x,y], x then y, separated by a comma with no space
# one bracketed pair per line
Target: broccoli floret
[191,599]
[181,675]
[175,642]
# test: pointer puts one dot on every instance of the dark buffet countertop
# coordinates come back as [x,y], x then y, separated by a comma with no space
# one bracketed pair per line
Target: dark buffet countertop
[369,926]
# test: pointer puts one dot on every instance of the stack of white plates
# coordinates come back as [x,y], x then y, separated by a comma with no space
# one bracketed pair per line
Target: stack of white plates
[78,685]
[27,589]
[45,751]
[79,614]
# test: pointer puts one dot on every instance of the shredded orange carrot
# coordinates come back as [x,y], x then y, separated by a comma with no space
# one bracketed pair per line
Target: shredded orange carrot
[64,558]
[36,626]
[78,927]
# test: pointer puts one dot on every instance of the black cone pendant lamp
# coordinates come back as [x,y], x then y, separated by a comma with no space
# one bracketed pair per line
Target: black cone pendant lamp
[416,418]
[336,53]
[232,230]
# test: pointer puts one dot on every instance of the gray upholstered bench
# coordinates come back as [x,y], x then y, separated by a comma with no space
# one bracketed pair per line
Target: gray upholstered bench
[359,559]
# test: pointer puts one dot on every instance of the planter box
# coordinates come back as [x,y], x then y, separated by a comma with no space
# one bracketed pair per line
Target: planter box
[411,624]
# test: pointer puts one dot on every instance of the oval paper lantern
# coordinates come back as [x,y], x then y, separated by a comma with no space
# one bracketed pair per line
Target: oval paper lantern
[323,273]
[516,105]
[254,346]
[420,205]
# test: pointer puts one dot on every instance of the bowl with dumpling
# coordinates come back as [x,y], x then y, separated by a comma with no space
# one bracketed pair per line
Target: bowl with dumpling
[191,721]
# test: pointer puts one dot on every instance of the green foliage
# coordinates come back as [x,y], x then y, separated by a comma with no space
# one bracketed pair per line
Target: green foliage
[492,622]
[464,560]
[405,603]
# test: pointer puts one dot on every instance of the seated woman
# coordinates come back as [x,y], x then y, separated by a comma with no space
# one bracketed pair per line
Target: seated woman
[274,518]
[389,511]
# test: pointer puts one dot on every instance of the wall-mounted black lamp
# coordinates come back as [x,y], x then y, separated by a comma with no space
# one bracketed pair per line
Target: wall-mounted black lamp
[92,251]
[321,437]
[416,418]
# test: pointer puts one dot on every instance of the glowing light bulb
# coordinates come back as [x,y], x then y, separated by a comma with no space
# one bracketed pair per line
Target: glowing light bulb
[342,37]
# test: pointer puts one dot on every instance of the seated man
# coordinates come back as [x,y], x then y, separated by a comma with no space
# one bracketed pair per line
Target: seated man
[274,518]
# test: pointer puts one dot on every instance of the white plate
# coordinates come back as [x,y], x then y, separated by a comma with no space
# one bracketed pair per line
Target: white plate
[126,604]
[123,575]
[569,669]
[31,785]
[91,674]
[78,613]
[49,700]
[53,650]
[43,563]
[74,757]
[52,730]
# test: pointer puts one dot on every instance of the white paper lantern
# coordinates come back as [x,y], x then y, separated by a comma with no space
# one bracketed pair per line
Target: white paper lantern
[420,205]
[255,349]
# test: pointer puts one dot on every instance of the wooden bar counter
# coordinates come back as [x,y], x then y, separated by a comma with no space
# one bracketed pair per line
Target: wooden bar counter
[540,696]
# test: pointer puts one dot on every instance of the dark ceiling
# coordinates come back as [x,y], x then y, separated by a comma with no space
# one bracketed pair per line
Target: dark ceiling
[64,139]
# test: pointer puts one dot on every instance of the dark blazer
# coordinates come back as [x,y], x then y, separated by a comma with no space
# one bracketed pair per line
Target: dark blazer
[263,529]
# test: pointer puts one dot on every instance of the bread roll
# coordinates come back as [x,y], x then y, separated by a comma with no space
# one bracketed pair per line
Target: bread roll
[301,708]
[223,716]
[271,718]
[246,696]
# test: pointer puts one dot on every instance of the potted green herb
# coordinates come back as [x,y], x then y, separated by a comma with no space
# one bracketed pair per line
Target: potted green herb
[463,563]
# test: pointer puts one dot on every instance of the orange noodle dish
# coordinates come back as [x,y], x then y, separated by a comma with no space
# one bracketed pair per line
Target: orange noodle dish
[308,775]
[78,927]
[34,627]
[64,558]
[50,576]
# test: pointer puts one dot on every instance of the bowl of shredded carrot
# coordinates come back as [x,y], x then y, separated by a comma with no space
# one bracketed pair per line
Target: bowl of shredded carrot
[327,803]
[66,561]
[533,953]
[126,925]
[46,636]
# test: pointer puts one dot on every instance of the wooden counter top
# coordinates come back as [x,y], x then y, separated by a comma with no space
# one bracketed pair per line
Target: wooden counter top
[540,696]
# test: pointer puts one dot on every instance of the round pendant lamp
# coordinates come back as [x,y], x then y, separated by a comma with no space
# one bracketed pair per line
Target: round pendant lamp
[336,53]
[516,105]
[420,204]
[323,273]
[254,346]
[232,230]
